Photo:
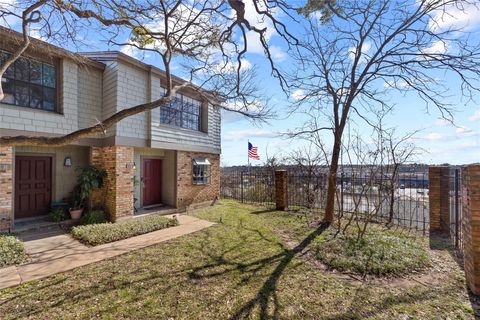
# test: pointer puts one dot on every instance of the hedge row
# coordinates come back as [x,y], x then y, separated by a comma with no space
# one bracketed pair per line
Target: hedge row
[101,233]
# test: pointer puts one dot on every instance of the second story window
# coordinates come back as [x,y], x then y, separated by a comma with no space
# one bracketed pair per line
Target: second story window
[182,112]
[29,83]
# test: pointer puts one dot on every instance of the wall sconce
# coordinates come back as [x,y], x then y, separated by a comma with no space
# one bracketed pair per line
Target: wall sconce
[131,165]
[67,162]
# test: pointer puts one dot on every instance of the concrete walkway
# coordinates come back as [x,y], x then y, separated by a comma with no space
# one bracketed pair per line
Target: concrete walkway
[52,251]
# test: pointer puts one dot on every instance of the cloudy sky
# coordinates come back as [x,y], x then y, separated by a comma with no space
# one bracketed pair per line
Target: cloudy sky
[442,141]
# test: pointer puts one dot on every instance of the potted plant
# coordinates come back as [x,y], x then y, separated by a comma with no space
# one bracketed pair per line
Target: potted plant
[88,178]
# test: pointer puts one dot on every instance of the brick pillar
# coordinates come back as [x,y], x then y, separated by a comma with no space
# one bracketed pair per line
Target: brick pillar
[97,197]
[471,225]
[281,189]
[117,194]
[6,188]
[439,199]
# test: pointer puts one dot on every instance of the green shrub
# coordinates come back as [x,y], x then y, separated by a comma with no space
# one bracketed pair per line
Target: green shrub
[12,250]
[95,234]
[57,215]
[94,217]
[380,252]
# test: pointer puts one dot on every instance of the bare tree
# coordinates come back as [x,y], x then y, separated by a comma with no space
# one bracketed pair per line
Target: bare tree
[308,169]
[208,39]
[400,151]
[350,64]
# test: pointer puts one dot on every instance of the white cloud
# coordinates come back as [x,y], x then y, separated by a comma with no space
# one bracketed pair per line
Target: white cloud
[229,116]
[316,15]
[434,136]
[9,6]
[442,123]
[254,44]
[278,54]
[438,47]
[398,84]
[463,130]
[475,116]
[132,51]
[233,66]
[35,33]
[364,53]
[298,94]
[238,135]
[456,15]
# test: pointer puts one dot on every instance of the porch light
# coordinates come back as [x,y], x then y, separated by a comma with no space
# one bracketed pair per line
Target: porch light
[67,162]
[131,165]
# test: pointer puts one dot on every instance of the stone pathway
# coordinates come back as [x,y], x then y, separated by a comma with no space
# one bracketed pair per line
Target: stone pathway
[52,251]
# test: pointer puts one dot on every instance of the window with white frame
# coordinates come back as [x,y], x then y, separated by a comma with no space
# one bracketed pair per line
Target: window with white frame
[201,171]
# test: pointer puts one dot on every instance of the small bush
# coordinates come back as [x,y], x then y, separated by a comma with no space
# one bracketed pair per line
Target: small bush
[96,234]
[12,250]
[57,215]
[380,252]
[94,217]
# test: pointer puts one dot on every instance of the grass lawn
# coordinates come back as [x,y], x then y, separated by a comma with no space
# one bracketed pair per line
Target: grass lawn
[253,264]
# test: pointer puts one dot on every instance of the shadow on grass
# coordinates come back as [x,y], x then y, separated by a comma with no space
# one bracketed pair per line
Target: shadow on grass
[207,255]
[264,211]
[268,289]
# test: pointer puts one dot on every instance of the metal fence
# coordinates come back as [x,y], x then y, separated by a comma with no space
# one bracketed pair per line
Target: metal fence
[456,207]
[256,186]
[402,200]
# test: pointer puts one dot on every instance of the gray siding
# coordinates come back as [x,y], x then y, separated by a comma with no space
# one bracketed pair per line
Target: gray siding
[89,95]
[110,76]
[183,139]
[80,103]
[136,86]
[132,90]
[89,88]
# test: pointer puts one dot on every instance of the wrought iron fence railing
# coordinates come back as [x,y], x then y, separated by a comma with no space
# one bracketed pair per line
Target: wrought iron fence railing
[400,200]
[456,212]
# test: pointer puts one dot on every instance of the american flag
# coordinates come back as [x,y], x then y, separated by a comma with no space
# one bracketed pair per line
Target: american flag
[252,152]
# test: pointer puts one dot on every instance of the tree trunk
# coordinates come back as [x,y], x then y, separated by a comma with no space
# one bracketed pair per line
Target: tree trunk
[332,180]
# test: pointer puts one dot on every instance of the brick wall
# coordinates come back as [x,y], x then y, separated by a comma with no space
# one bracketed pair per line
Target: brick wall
[281,189]
[117,194]
[187,192]
[6,188]
[471,225]
[439,200]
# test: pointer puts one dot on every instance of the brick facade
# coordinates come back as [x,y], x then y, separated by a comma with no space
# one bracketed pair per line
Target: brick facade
[117,194]
[471,225]
[6,188]
[439,200]
[281,189]
[188,193]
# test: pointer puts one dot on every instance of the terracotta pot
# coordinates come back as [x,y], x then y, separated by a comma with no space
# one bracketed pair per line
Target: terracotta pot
[76,214]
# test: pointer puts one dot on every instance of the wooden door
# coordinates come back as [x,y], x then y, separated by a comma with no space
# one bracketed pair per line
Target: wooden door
[33,186]
[152,181]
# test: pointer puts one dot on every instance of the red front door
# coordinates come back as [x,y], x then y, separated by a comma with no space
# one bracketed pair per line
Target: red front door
[33,186]
[152,181]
